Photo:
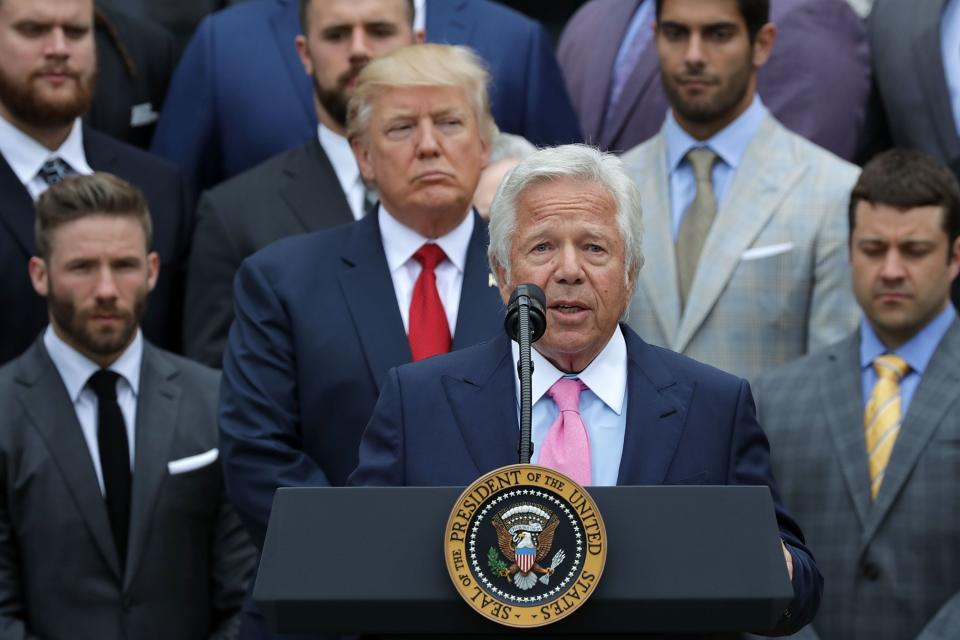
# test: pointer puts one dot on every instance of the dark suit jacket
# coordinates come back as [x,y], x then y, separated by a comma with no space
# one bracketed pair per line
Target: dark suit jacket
[172,215]
[180,17]
[892,566]
[317,328]
[135,61]
[240,94]
[294,192]
[450,419]
[817,82]
[188,560]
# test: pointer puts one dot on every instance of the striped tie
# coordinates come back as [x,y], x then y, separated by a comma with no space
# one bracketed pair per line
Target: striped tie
[883,416]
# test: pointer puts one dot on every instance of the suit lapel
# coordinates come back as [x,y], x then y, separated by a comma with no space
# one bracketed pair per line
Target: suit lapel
[447,22]
[484,406]
[16,210]
[50,410]
[157,412]
[599,71]
[285,24]
[656,411]
[368,289]
[659,274]
[100,157]
[934,399]
[932,77]
[312,191]
[637,86]
[766,174]
[841,398]
[481,309]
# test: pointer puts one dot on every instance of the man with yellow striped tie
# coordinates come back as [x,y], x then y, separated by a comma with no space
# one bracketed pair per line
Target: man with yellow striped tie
[865,435]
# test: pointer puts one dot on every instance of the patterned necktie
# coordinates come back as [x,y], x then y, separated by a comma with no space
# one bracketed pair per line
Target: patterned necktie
[567,446]
[114,456]
[697,220]
[883,416]
[429,331]
[54,171]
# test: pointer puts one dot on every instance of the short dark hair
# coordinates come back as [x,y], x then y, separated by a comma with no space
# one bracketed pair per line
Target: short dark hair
[305,6]
[78,197]
[904,179]
[755,13]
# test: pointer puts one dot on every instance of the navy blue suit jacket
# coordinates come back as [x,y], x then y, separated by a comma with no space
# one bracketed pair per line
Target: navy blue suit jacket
[171,210]
[240,94]
[450,419]
[317,327]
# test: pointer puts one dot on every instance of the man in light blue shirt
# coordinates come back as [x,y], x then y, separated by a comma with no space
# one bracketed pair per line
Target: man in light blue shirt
[863,434]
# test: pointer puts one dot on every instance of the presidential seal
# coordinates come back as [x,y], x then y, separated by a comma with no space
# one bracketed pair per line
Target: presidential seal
[525,545]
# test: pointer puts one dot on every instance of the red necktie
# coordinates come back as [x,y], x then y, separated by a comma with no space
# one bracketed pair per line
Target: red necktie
[429,331]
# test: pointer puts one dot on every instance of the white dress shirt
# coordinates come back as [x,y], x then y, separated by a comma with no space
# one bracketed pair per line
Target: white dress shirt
[345,166]
[603,405]
[75,370]
[399,245]
[420,15]
[26,156]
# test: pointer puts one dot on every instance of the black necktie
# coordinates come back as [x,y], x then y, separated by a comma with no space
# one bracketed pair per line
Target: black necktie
[54,171]
[114,456]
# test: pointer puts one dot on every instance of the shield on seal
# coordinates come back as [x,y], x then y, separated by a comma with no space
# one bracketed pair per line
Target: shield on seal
[525,558]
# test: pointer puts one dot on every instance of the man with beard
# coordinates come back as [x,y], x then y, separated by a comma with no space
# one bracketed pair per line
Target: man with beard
[865,434]
[47,77]
[312,187]
[746,241]
[113,521]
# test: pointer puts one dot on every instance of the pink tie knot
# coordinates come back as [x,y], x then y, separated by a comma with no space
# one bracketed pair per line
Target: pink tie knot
[566,393]
[429,256]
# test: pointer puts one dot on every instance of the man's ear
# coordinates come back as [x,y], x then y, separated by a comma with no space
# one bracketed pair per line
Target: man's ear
[360,152]
[303,51]
[38,276]
[153,269]
[502,282]
[763,44]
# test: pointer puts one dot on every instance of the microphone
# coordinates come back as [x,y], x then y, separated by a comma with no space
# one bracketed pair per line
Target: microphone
[526,323]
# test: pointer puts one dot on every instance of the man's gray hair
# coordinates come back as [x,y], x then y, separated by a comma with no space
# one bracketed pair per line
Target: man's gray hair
[572,162]
[507,146]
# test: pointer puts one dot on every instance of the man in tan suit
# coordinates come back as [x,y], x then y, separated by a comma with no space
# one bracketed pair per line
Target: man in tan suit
[746,238]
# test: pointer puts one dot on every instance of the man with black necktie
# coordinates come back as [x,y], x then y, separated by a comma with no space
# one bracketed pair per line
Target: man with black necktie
[108,447]
[47,77]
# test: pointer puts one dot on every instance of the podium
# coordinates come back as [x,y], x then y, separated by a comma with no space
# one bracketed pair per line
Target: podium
[366,560]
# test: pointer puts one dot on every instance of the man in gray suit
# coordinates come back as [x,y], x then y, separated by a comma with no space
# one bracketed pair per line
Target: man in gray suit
[313,187]
[745,238]
[864,434]
[113,522]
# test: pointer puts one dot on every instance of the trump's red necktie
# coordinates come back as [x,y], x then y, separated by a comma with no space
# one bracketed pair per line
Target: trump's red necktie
[429,332]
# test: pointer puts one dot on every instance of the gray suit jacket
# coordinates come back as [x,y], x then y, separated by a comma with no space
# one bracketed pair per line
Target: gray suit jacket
[188,559]
[908,66]
[294,192]
[773,280]
[891,567]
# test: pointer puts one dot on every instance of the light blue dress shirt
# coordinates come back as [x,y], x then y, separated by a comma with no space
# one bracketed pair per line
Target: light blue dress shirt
[917,352]
[950,49]
[729,144]
[603,406]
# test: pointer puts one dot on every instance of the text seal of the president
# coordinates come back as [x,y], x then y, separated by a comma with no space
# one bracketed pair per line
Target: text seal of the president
[525,546]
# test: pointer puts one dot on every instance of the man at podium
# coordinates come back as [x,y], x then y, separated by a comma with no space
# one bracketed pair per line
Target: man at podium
[608,408]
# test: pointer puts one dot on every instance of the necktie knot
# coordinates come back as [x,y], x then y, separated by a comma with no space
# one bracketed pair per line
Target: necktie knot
[566,393]
[104,384]
[54,170]
[890,367]
[429,256]
[701,161]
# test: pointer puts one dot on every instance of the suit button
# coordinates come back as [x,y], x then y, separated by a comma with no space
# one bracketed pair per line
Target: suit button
[870,571]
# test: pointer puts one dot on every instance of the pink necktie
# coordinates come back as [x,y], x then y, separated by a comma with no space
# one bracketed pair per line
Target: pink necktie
[567,447]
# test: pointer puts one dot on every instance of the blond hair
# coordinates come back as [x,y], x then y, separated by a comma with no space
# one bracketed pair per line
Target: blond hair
[422,65]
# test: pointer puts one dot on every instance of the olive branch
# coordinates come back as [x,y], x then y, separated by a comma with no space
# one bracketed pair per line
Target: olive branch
[497,565]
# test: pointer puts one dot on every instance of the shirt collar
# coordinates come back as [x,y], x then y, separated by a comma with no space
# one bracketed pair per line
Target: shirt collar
[606,376]
[917,351]
[341,156]
[730,143]
[401,242]
[420,15]
[75,368]
[25,155]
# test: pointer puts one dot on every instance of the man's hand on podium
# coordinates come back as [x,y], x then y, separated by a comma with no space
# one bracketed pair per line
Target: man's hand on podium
[789,559]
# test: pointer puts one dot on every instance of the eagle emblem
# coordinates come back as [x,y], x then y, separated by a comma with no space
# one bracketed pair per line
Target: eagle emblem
[525,535]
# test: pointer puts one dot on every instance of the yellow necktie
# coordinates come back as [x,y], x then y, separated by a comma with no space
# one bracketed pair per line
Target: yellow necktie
[883,416]
[697,220]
